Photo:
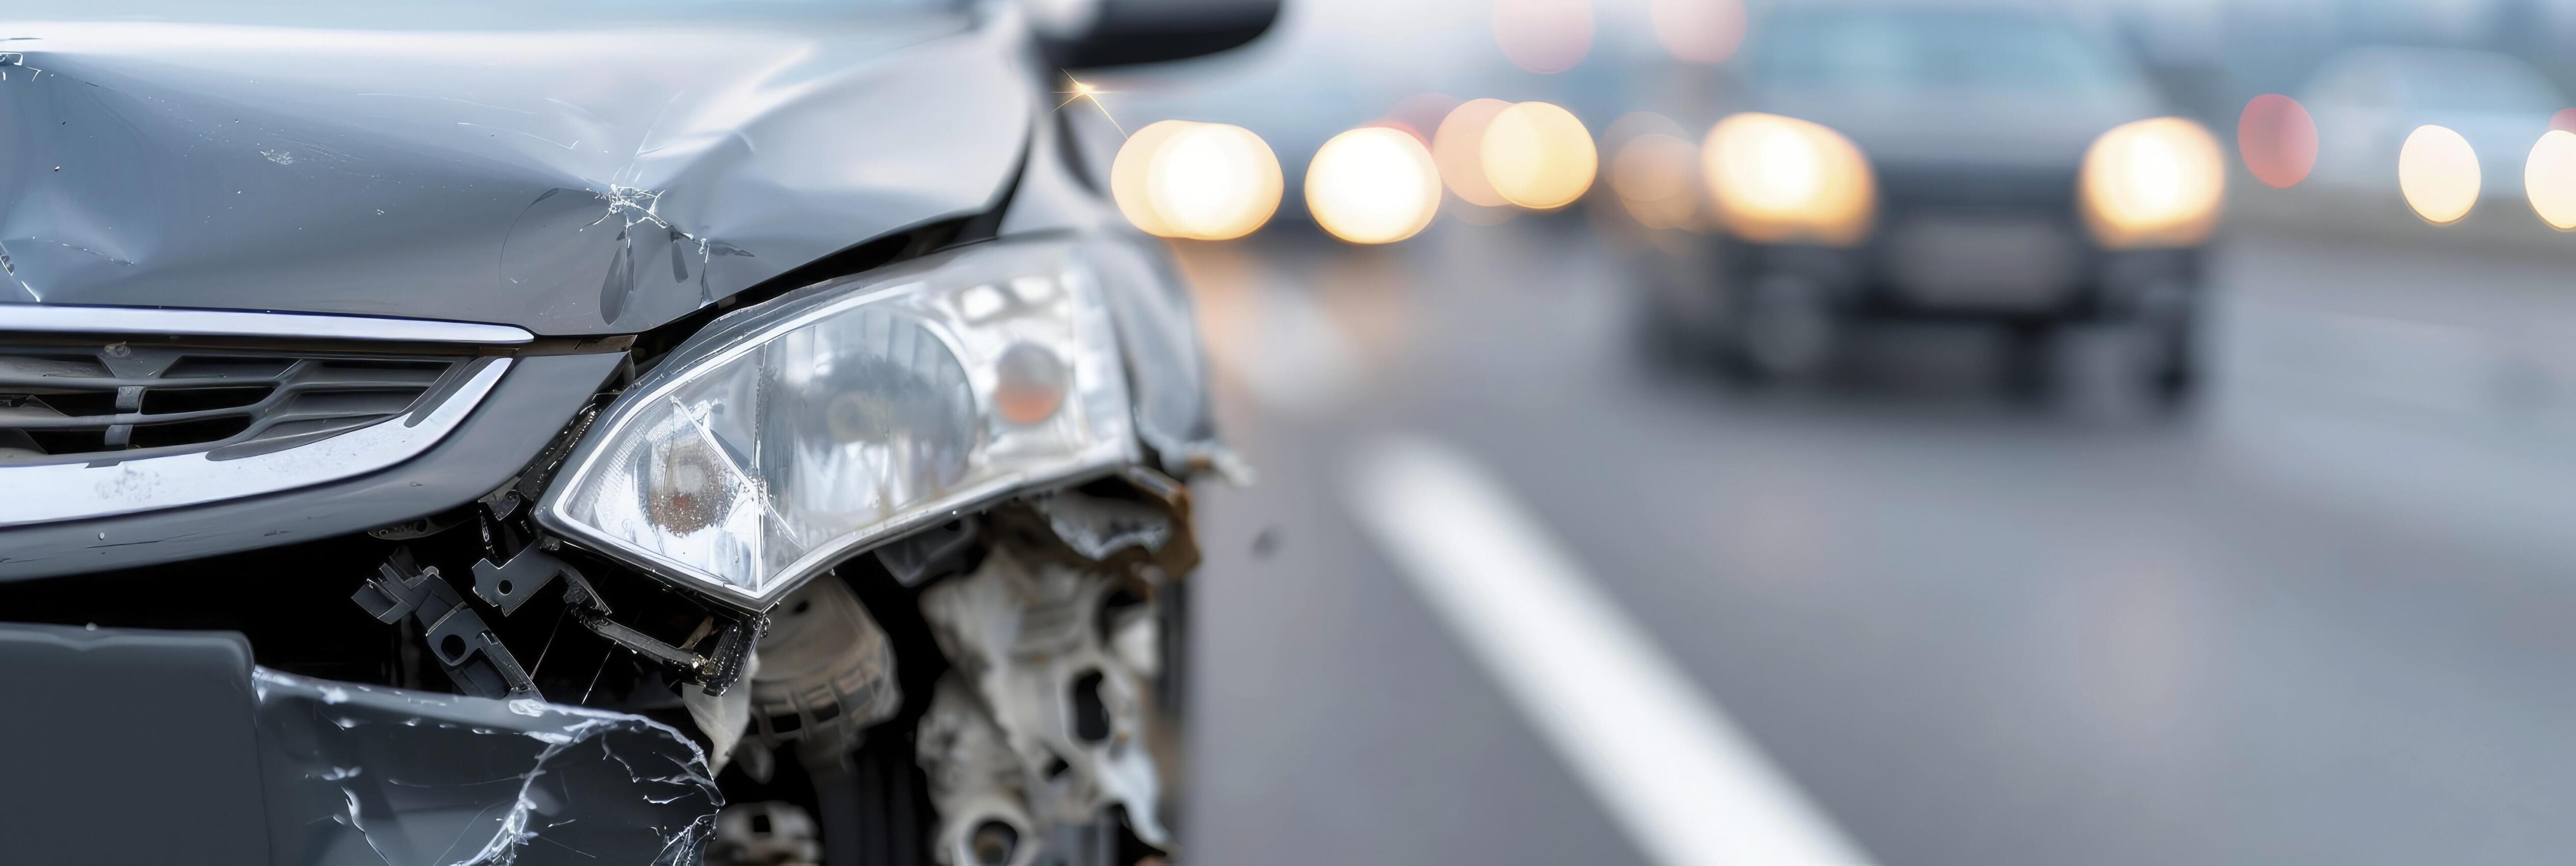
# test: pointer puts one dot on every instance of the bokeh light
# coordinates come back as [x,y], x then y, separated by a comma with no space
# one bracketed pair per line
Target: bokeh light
[1698,31]
[1128,174]
[1655,176]
[1545,36]
[1539,156]
[2438,172]
[1781,179]
[2565,119]
[2277,139]
[1459,149]
[1373,185]
[2549,179]
[1204,181]
[2154,182]
[1214,181]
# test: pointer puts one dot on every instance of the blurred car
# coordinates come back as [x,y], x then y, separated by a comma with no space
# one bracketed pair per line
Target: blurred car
[1980,164]
[2367,100]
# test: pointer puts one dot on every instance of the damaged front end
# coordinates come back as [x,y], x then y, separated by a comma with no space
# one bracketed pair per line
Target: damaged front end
[418,451]
[893,564]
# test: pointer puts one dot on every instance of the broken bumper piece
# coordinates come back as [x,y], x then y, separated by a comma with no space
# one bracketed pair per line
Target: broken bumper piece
[171,747]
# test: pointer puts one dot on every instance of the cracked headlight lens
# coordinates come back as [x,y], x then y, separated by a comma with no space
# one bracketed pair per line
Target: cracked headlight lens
[788,434]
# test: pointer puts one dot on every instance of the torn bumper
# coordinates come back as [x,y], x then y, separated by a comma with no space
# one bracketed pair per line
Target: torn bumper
[170,747]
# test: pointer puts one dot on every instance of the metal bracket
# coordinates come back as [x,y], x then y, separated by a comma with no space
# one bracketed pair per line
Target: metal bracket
[715,672]
[468,650]
[510,584]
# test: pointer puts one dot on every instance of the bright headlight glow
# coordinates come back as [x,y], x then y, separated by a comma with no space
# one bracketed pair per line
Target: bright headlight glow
[2153,183]
[786,435]
[2437,171]
[1780,179]
[2549,179]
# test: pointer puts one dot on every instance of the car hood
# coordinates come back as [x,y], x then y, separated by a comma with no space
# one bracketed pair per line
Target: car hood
[1919,129]
[568,180]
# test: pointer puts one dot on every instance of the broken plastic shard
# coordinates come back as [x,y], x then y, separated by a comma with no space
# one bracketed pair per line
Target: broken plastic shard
[473,781]
[172,747]
[1098,528]
[722,717]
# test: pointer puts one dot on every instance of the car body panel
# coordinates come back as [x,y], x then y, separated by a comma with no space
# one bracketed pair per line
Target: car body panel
[2367,100]
[591,179]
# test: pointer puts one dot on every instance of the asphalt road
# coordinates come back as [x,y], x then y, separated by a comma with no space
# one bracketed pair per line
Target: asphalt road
[2326,618]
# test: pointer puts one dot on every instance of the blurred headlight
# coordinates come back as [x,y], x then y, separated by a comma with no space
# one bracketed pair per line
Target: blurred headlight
[1204,181]
[1780,179]
[788,434]
[2153,183]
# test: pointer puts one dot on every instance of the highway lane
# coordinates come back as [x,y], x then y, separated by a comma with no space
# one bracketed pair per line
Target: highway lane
[2324,619]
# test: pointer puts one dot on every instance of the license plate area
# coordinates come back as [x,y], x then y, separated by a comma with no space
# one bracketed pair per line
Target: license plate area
[2009,262]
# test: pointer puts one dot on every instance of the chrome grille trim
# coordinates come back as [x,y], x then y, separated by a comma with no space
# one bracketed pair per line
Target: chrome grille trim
[61,319]
[90,403]
[45,493]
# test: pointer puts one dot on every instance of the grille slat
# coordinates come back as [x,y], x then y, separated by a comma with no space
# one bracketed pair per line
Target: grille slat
[58,405]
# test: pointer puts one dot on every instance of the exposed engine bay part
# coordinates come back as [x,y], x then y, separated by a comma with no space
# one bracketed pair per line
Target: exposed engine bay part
[1056,658]
[207,759]
[976,782]
[826,673]
[765,834]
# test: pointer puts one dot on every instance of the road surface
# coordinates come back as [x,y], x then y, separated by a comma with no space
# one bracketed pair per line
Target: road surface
[2329,617]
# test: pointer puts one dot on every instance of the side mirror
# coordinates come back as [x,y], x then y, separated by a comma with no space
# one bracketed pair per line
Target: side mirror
[1095,33]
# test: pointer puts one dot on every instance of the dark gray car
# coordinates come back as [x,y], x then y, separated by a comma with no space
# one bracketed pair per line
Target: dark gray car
[451,433]
[1944,162]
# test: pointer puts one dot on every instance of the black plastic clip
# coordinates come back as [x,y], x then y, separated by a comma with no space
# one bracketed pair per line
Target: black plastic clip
[470,653]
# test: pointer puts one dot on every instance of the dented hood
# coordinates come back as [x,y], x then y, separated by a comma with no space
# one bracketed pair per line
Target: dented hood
[574,179]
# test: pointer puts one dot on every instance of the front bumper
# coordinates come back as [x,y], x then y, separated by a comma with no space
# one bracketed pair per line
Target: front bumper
[1979,265]
[171,747]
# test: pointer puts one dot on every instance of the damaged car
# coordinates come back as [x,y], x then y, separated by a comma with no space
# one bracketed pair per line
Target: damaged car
[578,432]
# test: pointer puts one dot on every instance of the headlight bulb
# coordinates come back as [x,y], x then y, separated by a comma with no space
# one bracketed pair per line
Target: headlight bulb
[1028,384]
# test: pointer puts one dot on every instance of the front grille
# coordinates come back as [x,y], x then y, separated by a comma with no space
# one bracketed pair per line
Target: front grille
[1903,187]
[118,401]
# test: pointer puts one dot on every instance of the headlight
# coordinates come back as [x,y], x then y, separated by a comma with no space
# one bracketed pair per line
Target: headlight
[1782,179]
[786,435]
[2153,183]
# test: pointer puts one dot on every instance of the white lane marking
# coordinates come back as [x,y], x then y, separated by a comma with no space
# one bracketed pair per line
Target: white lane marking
[1659,756]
